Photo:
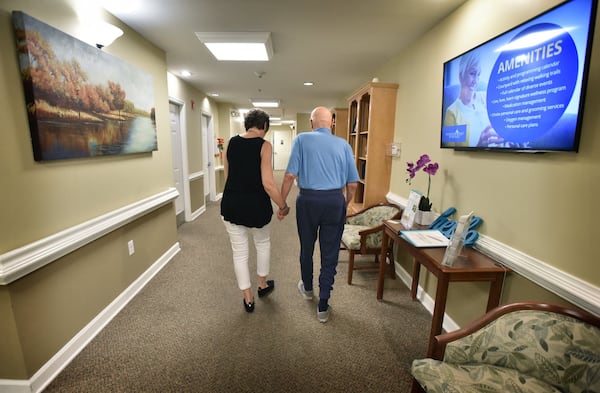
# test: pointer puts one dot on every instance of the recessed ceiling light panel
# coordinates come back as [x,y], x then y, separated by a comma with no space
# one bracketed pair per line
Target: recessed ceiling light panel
[264,103]
[242,46]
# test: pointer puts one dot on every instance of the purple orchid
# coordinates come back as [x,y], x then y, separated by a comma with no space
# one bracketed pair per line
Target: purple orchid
[431,168]
[423,160]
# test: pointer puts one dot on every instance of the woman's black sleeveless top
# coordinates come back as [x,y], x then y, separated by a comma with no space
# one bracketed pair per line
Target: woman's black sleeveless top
[245,201]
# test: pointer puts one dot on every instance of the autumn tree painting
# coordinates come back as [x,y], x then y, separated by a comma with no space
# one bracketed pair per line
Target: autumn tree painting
[81,102]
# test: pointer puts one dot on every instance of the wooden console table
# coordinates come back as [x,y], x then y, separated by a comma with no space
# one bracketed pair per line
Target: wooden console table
[472,266]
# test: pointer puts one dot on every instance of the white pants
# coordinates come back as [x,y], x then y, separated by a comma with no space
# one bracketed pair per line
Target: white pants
[239,235]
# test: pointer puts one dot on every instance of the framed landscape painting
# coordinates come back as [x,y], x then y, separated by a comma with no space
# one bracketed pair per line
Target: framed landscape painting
[81,101]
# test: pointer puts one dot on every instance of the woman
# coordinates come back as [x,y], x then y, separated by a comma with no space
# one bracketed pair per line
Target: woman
[246,205]
[470,106]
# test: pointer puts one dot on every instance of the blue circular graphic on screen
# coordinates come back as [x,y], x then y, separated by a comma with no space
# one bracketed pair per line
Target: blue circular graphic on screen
[532,82]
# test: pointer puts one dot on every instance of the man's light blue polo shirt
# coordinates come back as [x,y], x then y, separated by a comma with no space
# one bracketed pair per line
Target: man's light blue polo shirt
[322,161]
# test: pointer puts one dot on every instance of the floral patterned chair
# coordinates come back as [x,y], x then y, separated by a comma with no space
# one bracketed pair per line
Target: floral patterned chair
[520,347]
[363,232]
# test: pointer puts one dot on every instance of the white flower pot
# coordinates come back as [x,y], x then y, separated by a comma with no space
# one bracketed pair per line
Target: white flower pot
[424,218]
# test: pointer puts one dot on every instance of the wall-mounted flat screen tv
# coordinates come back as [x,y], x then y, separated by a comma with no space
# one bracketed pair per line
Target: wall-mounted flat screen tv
[523,90]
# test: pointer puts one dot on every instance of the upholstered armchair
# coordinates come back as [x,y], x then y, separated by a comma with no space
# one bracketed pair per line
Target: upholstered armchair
[363,232]
[520,347]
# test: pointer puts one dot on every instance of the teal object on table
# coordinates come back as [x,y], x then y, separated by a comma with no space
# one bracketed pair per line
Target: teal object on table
[447,226]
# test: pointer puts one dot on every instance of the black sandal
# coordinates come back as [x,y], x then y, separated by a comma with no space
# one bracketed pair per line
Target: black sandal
[262,292]
[248,306]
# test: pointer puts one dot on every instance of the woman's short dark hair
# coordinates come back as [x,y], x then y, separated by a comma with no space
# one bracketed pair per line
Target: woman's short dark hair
[257,118]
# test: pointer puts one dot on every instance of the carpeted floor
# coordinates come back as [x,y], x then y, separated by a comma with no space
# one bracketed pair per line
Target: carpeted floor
[187,330]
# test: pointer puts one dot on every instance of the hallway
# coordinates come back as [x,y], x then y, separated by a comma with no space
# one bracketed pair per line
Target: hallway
[187,331]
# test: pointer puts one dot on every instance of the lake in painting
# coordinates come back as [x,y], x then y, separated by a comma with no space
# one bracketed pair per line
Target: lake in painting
[60,140]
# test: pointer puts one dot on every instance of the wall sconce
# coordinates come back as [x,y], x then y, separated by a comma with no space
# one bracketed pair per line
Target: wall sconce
[105,34]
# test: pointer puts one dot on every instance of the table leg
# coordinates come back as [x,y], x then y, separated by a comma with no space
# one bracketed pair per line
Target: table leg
[391,257]
[495,291]
[415,279]
[382,259]
[439,308]
[416,388]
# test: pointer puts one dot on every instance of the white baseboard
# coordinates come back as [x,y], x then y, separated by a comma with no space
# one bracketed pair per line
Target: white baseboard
[197,213]
[14,386]
[67,353]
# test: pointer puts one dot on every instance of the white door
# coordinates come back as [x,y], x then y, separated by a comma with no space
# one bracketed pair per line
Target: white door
[174,113]
[282,146]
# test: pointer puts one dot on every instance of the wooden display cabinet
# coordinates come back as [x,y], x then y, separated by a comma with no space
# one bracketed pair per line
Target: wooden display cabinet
[371,117]
[340,122]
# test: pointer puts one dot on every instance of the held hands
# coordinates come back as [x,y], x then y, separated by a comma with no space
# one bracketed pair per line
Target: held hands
[283,212]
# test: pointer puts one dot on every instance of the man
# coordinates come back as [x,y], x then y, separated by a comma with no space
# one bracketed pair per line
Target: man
[325,170]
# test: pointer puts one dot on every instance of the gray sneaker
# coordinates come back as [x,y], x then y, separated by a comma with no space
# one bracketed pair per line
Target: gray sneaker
[323,316]
[307,295]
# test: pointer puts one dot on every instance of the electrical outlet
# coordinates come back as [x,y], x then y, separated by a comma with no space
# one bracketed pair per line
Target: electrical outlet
[131,247]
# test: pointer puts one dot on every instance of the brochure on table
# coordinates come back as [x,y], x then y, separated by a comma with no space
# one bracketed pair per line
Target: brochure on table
[412,205]
[425,238]
[458,240]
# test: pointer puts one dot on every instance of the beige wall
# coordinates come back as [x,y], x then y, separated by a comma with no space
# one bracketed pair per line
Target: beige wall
[52,304]
[12,362]
[224,131]
[51,196]
[302,122]
[220,180]
[43,310]
[182,92]
[532,203]
[197,194]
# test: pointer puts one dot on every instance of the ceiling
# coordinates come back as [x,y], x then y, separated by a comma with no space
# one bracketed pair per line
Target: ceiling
[336,44]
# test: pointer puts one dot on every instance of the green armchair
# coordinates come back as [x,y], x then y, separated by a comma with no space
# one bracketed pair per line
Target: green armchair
[520,347]
[363,232]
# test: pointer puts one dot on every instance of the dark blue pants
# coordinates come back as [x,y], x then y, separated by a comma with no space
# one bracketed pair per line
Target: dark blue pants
[322,214]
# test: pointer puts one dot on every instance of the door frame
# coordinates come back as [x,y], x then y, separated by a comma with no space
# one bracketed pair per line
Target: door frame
[208,138]
[185,172]
[178,178]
